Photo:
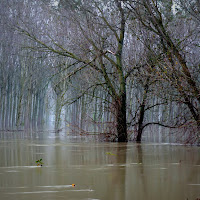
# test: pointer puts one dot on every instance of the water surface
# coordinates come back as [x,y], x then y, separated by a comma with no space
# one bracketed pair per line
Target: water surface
[104,171]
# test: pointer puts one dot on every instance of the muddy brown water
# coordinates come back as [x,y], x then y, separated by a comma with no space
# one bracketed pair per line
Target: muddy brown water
[100,171]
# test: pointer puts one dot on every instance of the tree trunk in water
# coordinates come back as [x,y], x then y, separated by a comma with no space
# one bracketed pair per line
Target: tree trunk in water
[142,111]
[198,132]
[19,111]
[121,119]
[28,110]
[58,111]
[140,123]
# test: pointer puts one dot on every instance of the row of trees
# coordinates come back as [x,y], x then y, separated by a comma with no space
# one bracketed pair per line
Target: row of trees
[122,65]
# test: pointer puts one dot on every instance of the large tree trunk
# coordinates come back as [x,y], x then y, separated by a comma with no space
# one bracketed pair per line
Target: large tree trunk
[121,119]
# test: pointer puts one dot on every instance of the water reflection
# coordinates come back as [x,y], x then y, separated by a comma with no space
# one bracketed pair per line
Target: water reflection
[99,170]
[117,187]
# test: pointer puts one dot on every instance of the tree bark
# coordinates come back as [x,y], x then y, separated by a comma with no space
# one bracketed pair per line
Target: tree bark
[121,119]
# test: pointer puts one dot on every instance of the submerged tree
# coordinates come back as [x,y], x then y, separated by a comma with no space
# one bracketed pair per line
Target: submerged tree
[176,44]
[102,55]
[110,61]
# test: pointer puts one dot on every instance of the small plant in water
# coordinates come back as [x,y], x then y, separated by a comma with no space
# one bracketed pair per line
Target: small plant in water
[111,154]
[39,162]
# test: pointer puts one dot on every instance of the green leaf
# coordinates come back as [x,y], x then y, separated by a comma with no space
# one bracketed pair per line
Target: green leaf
[109,153]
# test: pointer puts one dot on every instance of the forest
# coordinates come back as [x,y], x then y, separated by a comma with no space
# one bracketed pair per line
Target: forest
[120,69]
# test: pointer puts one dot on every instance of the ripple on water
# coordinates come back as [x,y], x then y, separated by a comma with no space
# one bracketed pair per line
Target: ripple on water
[55,186]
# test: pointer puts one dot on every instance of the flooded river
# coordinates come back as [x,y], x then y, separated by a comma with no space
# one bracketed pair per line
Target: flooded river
[100,171]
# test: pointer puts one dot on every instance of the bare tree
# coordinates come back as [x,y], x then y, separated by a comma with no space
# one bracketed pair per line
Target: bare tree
[106,62]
